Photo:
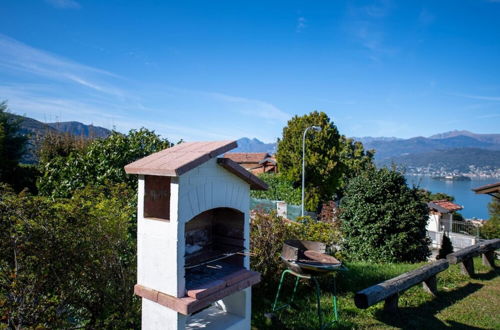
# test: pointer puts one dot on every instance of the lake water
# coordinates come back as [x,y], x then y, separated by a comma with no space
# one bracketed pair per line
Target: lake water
[474,205]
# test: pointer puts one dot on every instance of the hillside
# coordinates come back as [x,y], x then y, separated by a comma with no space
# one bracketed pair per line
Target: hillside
[459,159]
[386,150]
[36,130]
[79,129]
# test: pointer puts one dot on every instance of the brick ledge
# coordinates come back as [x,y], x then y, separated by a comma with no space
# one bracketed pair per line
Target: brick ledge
[187,305]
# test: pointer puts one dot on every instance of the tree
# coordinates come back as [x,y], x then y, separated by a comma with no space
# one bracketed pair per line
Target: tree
[383,219]
[97,164]
[331,159]
[428,196]
[12,145]
[446,248]
[491,229]
[280,189]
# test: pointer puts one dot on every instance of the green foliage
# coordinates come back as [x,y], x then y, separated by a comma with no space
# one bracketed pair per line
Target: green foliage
[331,159]
[308,229]
[446,247]
[12,145]
[428,196]
[55,144]
[100,162]
[280,189]
[383,219]
[268,232]
[491,229]
[67,263]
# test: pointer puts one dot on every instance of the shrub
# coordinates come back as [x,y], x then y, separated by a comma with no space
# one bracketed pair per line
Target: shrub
[383,219]
[69,262]
[268,233]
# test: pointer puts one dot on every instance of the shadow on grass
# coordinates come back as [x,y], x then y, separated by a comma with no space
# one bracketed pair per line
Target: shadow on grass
[423,316]
[487,276]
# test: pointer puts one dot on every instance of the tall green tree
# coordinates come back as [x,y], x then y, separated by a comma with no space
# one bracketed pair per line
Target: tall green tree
[383,219]
[12,145]
[331,158]
[98,163]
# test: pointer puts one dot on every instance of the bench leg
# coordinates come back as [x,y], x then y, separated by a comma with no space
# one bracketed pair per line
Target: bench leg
[489,259]
[467,267]
[430,285]
[391,303]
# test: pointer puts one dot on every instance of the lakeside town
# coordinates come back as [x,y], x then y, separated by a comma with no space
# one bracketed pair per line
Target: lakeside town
[474,172]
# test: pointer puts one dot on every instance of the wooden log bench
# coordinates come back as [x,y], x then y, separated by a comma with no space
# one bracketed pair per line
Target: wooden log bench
[466,255]
[390,290]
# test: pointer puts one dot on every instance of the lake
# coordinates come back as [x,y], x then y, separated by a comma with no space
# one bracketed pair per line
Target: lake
[474,205]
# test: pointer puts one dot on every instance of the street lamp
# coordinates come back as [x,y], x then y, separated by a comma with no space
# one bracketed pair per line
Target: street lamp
[317,129]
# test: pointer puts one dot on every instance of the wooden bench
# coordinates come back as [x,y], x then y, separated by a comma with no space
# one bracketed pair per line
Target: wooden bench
[390,290]
[466,255]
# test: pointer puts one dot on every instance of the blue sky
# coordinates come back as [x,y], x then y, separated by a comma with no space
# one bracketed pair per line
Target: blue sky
[207,70]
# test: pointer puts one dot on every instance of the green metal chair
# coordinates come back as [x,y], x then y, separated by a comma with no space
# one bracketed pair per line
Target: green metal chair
[318,295]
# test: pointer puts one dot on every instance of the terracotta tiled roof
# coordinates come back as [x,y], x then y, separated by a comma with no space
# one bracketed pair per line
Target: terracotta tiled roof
[246,157]
[180,158]
[444,206]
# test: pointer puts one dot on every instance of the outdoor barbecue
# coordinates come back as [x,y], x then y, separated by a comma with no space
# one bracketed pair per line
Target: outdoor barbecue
[308,260]
[307,257]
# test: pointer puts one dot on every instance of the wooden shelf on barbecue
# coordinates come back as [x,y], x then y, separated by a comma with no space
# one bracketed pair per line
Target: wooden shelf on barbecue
[188,305]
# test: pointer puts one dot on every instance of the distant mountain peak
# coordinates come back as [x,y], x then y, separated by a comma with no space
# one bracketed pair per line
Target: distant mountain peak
[254,145]
[453,133]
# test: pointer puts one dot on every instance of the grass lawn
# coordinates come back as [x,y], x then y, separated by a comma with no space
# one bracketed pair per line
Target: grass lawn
[462,303]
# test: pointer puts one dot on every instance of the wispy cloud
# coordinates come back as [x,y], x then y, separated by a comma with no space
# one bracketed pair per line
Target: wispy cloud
[252,107]
[377,10]
[425,17]
[488,116]
[49,87]
[64,4]
[364,25]
[301,24]
[16,56]
[478,97]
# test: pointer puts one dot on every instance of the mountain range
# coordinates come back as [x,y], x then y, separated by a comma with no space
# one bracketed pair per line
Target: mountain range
[36,130]
[455,150]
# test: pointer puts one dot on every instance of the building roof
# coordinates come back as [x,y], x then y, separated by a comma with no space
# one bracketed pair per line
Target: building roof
[183,157]
[270,160]
[179,159]
[493,188]
[444,206]
[242,173]
[246,157]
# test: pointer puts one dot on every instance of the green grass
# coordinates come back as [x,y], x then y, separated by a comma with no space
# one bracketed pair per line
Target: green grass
[462,302]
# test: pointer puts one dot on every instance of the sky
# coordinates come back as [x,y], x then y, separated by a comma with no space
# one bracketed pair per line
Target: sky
[217,70]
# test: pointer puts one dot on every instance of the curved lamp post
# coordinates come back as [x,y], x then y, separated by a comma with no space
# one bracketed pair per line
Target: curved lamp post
[317,129]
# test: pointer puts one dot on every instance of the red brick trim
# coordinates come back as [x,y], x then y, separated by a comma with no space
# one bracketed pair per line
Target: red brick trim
[188,305]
